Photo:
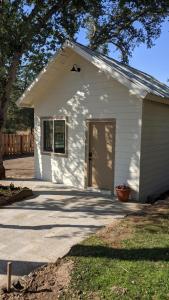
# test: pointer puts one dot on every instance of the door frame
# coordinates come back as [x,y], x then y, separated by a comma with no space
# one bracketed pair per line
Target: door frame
[87,170]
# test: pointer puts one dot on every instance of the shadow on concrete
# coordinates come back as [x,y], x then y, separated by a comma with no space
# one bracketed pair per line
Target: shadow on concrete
[48,226]
[76,202]
[20,268]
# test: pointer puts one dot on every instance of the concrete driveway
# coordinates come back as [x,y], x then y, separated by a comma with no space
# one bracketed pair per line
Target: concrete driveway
[43,228]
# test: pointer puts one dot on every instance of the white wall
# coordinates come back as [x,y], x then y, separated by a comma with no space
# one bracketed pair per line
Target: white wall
[154,167]
[89,94]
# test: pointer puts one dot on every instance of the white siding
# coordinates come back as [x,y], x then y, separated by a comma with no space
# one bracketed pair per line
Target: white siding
[154,167]
[89,94]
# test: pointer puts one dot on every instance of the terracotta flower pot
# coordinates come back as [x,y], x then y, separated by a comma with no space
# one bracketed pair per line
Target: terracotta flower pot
[123,194]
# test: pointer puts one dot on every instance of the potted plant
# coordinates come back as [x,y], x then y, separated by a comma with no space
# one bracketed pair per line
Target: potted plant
[123,192]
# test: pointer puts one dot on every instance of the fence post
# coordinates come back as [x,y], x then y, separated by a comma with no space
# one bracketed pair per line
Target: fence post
[21,149]
[9,273]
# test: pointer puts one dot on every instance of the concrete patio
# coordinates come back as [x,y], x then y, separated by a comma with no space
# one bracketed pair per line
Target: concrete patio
[41,229]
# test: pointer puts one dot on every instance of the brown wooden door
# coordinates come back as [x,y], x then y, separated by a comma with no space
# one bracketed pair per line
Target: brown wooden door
[101,154]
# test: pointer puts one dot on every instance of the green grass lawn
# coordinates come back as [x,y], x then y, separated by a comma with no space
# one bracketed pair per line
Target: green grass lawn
[127,261]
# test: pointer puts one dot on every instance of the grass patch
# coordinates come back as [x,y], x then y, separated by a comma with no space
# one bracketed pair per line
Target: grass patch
[111,265]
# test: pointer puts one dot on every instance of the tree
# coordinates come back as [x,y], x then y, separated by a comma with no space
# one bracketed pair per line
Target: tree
[18,118]
[127,24]
[29,33]
[31,30]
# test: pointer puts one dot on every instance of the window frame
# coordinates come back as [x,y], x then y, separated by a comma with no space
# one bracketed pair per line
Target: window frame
[53,118]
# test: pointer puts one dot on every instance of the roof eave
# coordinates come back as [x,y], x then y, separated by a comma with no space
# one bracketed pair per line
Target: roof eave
[156,98]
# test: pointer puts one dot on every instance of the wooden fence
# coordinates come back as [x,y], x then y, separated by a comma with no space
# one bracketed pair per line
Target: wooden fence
[15,144]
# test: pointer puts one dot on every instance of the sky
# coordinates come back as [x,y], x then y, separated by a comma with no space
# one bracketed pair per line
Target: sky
[154,61]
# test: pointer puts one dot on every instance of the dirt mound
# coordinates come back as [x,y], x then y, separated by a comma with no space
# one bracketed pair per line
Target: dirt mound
[45,283]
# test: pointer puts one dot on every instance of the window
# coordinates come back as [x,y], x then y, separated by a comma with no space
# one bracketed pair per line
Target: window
[54,135]
[47,135]
[59,136]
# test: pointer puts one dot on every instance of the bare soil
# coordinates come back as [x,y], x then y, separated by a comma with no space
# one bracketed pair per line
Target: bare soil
[20,168]
[113,234]
[10,194]
[5,194]
[45,283]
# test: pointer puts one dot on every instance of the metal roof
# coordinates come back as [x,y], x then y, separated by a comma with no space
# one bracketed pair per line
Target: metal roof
[137,81]
[151,84]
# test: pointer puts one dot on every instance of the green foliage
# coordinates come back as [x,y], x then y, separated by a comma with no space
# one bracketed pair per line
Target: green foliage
[18,118]
[127,24]
[31,31]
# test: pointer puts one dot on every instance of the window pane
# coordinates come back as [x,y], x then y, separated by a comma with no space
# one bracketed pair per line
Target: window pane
[47,135]
[59,136]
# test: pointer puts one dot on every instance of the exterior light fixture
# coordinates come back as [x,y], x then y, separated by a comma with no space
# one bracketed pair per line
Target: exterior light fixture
[75,68]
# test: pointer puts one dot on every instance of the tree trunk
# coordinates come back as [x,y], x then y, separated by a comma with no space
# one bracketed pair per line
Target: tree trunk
[4,100]
[2,169]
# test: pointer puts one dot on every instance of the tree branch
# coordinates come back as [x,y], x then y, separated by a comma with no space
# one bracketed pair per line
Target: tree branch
[42,23]
[4,100]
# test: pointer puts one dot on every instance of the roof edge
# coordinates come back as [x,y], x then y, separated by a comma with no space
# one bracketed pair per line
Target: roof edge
[134,88]
[29,88]
[155,98]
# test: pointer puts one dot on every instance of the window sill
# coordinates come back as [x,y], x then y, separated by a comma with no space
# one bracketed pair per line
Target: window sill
[54,154]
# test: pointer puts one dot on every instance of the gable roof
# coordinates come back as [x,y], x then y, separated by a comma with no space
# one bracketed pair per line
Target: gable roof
[138,82]
[151,84]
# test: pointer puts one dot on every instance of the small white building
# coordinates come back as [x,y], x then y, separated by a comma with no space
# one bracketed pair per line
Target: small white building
[99,123]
